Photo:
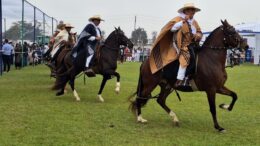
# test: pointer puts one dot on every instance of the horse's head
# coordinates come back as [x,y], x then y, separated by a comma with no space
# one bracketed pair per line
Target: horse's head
[72,39]
[232,39]
[122,39]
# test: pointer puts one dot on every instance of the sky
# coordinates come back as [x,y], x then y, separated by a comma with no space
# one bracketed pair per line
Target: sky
[151,15]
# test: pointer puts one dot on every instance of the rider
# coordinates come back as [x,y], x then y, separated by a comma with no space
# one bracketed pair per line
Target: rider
[174,38]
[60,27]
[189,29]
[60,40]
[89,39]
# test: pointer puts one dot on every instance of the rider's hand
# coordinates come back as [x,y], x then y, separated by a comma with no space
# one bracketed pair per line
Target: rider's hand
[98,38]
[197,36]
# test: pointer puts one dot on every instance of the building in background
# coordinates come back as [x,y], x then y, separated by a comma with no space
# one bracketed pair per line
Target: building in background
[250,32]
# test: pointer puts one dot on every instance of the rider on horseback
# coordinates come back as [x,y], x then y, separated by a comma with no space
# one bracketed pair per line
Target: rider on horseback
[60,41]
[89,39]
[186,30]
[173,41]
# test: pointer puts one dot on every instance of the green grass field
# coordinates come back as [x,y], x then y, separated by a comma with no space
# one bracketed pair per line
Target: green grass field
[31,114]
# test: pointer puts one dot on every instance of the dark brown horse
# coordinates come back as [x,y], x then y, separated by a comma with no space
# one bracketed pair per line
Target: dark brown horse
[106,64]
[210,75]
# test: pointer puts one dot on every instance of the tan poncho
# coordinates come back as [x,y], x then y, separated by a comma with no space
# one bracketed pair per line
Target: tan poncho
[163,51]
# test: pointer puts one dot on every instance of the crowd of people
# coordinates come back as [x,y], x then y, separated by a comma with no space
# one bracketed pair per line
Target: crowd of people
[20,55]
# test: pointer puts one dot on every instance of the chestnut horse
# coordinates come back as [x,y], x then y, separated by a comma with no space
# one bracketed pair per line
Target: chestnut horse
[210,75]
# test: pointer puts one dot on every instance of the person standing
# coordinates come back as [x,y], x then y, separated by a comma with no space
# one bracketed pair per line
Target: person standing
[7,52]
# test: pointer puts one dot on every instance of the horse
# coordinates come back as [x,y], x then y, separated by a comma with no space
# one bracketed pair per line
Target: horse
[106,64]
[210,75]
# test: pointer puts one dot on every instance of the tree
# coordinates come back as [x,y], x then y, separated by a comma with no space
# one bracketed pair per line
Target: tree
[139,36]
[154,35]
[14,31]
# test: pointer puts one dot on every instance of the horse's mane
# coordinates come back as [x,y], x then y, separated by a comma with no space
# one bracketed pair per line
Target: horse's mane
[110,35]
[211,35]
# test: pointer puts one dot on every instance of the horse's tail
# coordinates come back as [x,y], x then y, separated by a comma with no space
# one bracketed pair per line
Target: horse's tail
[62,78]
[133,103]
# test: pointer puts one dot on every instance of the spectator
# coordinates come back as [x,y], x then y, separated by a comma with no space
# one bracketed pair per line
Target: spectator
[7,52]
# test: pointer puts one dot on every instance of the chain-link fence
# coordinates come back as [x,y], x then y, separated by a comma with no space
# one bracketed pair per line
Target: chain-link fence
[23,22]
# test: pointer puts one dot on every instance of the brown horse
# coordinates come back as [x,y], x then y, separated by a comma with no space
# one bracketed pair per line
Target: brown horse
[106,64]
[210,75]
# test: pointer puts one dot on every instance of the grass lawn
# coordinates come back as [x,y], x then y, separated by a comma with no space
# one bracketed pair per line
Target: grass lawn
[32,115]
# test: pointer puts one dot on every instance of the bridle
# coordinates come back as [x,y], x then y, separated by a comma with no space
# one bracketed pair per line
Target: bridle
[117,39]
[228,36]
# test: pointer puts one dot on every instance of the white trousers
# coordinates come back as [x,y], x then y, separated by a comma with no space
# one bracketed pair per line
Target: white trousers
[181,73]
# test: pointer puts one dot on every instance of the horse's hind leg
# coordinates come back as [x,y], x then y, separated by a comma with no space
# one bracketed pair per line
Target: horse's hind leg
[165,91]
[117,89]
[225,91]
[72,85]
[212,104]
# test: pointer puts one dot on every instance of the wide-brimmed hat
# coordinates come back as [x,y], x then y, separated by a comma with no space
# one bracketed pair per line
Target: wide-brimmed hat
[187,6]
[68,25]
[95,17]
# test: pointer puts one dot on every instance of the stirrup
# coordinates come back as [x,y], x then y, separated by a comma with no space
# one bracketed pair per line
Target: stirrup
[89,72]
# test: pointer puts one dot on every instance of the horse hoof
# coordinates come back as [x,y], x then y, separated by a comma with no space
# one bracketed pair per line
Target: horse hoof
[141,120]
[59,93]
[177,124]
[117,91]
[224,106]
[222,130]
[100,98]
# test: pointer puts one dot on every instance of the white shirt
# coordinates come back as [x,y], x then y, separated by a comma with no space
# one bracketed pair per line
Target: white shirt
[178,25]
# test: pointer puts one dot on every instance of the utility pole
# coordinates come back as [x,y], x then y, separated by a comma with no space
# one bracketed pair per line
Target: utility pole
[135,24]
[5,27]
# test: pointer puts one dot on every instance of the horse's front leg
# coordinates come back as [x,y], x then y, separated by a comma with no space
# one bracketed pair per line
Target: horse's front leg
[225,91]
[117,89]
[72,85]
[211,94]
[103,83]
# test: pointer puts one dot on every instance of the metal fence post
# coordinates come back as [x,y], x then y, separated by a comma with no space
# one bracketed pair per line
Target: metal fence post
[22,31]
[43,29]
[34,24]
[1,38]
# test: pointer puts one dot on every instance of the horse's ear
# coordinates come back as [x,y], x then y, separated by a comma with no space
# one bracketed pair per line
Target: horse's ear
[222,22]
[119,28]
[116,29]
[227,22]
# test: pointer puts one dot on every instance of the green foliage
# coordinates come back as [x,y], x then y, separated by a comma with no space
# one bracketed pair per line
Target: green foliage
[32,115]
[14,31]
[139,36]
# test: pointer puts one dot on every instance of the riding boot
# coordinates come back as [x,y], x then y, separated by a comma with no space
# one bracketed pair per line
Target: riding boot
[183,85]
